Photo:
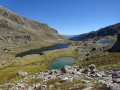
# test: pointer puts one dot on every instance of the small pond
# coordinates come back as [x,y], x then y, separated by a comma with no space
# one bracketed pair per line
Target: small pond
[60,62]
[106,42]
[40,50]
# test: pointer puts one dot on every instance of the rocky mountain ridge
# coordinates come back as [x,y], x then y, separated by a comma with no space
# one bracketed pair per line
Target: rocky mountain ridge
[17,30]
[111,30]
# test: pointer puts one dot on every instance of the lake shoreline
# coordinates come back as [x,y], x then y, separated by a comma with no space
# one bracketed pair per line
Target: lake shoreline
[61,62]
[42,49]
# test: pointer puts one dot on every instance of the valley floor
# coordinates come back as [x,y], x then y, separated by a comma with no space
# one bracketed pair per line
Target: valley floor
[93,69]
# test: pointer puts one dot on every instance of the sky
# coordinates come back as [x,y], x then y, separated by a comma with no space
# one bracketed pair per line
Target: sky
[68,17]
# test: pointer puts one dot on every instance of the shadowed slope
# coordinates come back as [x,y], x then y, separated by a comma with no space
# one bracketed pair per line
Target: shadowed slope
[116,47]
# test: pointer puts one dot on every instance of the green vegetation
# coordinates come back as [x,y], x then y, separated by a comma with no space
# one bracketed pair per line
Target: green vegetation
[75,85]
[31,64]
[99,86]
[2,22]
[103,60]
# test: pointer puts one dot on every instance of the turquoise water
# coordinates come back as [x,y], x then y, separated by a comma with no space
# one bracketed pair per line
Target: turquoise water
[60,62]
[40,50]
[106,42]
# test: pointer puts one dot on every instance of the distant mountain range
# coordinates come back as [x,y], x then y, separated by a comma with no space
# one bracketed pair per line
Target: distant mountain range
[101,33]
[68,36]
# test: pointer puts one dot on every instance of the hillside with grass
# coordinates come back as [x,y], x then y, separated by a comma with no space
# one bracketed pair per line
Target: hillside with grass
[17,32]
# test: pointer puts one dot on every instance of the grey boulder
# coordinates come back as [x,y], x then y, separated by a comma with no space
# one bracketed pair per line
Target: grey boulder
[20,73]
[67,69]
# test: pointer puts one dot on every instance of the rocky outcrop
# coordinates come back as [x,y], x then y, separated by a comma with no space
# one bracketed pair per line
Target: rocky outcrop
[67,79]
[116,47]
[67,69]
[109,79]
[20,73]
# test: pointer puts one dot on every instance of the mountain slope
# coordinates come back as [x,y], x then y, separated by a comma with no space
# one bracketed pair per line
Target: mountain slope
[16,30]
[78,37]
[101,33]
